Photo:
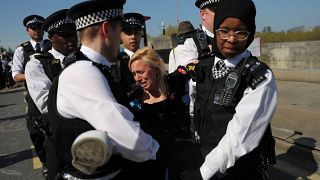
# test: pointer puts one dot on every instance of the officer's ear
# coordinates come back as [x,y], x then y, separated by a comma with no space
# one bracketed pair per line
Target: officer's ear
[104,28]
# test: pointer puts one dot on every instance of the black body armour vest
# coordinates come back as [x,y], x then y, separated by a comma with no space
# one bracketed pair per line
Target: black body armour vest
[65,131]
[215,106]
[126,77]
[28,50]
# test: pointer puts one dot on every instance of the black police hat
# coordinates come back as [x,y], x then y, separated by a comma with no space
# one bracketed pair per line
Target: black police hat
[132,22]
[33,21]
[95,11]
[211,4]
[59,22]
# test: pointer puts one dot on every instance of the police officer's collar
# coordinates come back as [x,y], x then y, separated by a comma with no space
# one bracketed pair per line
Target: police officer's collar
[234,61]
[210,34]
[94,56]
[130,53]
[33,43]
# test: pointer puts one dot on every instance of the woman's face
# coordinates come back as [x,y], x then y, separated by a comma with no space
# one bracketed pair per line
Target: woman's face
[231,46]
[145,75]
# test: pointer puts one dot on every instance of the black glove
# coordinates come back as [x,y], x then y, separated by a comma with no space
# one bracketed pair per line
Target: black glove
[195,71]
[180,75]
[191,175]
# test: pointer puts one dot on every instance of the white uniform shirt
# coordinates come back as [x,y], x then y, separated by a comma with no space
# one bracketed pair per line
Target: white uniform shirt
[183,54]
[130,53]
[209,33]
[84,93]
[18,58]
[38,82]
[245,130]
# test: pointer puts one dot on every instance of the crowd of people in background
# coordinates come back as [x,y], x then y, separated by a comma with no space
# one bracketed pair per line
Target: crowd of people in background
[6,80]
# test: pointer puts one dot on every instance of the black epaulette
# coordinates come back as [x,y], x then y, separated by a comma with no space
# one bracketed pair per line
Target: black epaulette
[51,65]
[27,52]
[27,47]
[254,71]
[73,57]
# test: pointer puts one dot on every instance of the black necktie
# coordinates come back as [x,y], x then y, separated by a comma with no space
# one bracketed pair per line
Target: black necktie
[219,70]
[38,49]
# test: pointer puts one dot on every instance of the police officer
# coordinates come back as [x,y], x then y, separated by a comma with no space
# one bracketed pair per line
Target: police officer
[83,97]
[39,74]
[207,12]
[130,35]
[42,69]
[21,56]
[131,32]
[192,49]
[177,55]
[235,101]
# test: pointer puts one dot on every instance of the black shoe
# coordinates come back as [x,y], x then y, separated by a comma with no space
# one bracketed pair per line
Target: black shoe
[45,171]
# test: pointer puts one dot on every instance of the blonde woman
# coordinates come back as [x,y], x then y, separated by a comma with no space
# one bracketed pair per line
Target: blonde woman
[159,108]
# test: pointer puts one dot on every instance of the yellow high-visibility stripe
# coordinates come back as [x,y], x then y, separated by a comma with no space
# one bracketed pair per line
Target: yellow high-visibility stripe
[36,161]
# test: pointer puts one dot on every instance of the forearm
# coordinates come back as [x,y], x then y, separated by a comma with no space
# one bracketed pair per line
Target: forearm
[19,78]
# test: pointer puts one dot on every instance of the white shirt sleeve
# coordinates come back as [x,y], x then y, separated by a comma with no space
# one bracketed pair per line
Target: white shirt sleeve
[17,62]
[172,61]
[83,92]
[186,52]
[38,84]
[244,132]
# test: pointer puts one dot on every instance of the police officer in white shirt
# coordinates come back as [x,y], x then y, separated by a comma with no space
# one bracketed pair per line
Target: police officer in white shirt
[189,49]
[21,55]
[83,97]
[177,55]
[42,69]
[235,102]
[131,34]
[62,33]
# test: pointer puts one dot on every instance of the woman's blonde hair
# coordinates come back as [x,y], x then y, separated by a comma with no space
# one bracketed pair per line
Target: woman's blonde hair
[152,59]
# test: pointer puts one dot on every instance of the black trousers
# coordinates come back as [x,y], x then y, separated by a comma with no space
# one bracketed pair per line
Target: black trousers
[36,136]
[37,139]
[243,172]
[182,156]
[190,156]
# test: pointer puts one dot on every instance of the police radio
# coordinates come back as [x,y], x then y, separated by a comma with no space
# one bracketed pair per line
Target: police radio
[200,39]
[224,95]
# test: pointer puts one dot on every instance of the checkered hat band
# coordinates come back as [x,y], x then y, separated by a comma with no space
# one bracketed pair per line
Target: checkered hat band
[56,24]
[97,17]
[208,2]
[34,20]
[133,21]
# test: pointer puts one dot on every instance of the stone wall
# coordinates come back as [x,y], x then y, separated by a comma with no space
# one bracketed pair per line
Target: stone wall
[291,61]
[292,55]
